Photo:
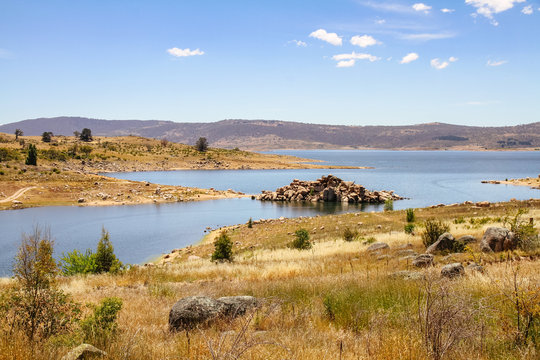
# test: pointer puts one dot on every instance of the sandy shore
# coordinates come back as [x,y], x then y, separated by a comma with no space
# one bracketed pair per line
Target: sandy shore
[533,183]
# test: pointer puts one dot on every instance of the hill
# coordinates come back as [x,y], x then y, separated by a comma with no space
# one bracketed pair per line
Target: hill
[274,134]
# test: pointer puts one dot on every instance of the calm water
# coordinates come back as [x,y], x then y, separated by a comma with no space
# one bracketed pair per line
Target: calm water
[142,231]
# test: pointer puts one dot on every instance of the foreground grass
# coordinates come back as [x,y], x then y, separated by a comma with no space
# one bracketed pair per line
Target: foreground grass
[335,301]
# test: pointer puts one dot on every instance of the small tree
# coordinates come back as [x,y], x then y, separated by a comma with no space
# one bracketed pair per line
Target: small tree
[410,217]
[389,205]
[77,134]
[201,144]
[18,132]
[101,326]
[250,223]
[223,248]
[86,135]
[36,305]
[301,240]
[106,260]
[31,158]
[46,136]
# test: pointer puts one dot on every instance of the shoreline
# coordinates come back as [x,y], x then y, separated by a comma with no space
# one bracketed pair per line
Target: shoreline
[533,183]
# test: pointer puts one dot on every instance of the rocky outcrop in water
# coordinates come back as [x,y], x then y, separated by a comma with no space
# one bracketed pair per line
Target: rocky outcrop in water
[328,189]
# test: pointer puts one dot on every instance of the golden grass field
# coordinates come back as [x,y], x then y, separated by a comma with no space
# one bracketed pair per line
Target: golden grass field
[335,301]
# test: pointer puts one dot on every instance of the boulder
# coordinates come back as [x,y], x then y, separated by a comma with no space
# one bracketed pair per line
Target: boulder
[193,311]
[377,246]
[237,305]
[84,351]
[498,239]
[445,242]
[467,239]
[452,270]
[423,260]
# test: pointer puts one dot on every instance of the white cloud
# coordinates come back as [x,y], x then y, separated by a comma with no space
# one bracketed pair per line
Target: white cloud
[363,41]
[380,21]
[439,65]
[496,63]
[184,52]
[427,36]
[331,38]
[387,6]
[409,58]
[489,7]
[355,56]
[298,43]
[422,7]
[447,11]
[527,10]
[346,63]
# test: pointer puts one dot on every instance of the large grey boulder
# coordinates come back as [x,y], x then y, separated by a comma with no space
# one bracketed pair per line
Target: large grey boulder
[193,311]
[237,305]
[423,260]
[445,242]
[498,239]
[84,351]
[452,270]
[378,246]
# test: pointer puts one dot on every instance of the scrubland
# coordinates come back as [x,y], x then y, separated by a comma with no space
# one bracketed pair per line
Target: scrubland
[334,301]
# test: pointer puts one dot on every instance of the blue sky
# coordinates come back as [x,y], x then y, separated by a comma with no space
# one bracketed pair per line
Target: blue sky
[353,62]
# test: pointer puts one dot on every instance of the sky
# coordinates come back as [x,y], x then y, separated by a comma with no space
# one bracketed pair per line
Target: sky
[347,62]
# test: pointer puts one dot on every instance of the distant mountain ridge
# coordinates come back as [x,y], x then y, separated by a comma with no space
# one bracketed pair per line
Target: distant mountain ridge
[275,134]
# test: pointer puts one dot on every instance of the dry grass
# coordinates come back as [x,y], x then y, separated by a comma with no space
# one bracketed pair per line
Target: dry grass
[335,301]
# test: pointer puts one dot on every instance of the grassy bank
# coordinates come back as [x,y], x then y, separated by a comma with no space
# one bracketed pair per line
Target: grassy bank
[334,301]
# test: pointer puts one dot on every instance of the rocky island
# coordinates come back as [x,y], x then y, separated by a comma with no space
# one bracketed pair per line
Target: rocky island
[328,189]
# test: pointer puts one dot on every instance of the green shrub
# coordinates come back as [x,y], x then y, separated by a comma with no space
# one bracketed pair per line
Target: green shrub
[459,220]
[76,262]
[106,260]
[301,240]
[525,232]
[101,326]
[409,229]
[250,223]
[31,158]
[223,248]
[52,154]
[8,154]
[389,205]
[410,215]
[349,235]
[432,230]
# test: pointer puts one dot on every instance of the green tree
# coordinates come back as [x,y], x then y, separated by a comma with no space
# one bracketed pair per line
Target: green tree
[31,158]
[86,135]
[223,248]
[105,258]
[46,136]
[76,262]
[410,217]
[36,305]
[18,132]
[201,144]
[389,205]
[301,240]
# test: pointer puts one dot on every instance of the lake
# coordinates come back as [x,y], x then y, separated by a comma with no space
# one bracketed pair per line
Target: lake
[140,232]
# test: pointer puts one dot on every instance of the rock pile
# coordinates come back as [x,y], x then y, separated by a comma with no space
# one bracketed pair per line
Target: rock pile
[328,189]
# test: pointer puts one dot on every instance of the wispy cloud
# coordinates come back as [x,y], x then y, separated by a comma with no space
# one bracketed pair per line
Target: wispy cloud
[439,65]
[298,43]
[363,41]
[346,63]
[331,38]
[496,63]
[409,58]
[447,11]
[422,7]
[487,8]
[387,6]
[184,52]
[355,56]
[427,36]
[527,10]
